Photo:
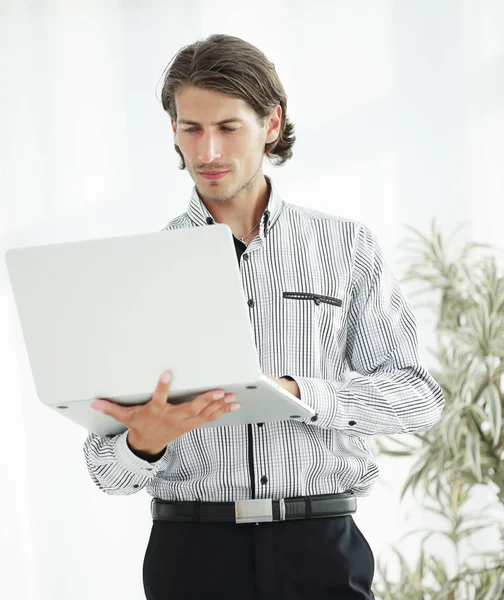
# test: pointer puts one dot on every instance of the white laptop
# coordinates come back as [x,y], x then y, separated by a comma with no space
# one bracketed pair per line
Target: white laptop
[104,318]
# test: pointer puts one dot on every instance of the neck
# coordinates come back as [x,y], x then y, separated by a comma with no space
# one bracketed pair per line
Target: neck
[244,209]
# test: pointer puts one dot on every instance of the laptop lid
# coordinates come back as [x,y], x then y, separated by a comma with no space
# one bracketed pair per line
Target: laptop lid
[104,317]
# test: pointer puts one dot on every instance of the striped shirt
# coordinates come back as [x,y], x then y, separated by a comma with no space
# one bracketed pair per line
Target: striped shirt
[328,312]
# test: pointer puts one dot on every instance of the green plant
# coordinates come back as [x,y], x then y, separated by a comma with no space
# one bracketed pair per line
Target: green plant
[465,448]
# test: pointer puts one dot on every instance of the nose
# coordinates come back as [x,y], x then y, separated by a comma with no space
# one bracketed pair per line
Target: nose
[208,148]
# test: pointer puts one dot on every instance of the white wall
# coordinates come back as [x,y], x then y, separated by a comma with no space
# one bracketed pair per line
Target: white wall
[399,109]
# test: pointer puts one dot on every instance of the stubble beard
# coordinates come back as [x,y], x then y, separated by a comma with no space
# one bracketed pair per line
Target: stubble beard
[236,192]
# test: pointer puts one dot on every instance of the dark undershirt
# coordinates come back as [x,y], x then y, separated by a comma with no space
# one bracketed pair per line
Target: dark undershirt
[240,249]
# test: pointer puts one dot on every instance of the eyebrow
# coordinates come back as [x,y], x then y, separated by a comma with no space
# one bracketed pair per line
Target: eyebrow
[224,121]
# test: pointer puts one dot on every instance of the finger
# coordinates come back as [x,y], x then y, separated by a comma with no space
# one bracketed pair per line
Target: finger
[217,406]
[160,396]
[194,407]
[119,413]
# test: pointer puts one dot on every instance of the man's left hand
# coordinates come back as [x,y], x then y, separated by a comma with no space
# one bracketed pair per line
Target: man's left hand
[290,386]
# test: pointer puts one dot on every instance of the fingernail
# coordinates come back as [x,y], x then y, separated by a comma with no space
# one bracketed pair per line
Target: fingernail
[166,377]
[235,406]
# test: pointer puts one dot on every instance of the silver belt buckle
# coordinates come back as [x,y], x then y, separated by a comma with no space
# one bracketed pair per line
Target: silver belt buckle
[254,511]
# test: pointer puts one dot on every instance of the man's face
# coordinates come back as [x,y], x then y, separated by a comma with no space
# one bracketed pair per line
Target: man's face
[207,144]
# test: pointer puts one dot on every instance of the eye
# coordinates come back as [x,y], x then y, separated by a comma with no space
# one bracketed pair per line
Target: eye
[191,129]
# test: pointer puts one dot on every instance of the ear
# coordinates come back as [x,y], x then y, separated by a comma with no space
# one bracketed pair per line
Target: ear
[274,121]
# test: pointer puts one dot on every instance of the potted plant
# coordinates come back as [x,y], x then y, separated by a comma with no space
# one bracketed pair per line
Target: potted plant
[465,449]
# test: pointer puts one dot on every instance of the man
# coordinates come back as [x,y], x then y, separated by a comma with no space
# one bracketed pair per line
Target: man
[331,325]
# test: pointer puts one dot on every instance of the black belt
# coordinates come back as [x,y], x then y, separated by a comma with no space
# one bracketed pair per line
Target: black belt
[255,511]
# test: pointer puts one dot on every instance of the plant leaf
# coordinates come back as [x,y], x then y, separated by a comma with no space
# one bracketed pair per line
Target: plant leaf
[495,410]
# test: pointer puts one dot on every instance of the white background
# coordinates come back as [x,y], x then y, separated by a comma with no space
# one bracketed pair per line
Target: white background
[399,114]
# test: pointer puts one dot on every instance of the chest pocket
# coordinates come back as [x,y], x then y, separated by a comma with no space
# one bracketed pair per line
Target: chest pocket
[314,322]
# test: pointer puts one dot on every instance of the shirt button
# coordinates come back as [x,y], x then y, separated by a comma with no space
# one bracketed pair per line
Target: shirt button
[251,303]
[264,479]
[317,301]
[314,418]
[352,423]
[245,257]
[135,486]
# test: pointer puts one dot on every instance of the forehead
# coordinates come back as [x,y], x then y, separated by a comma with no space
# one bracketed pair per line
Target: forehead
[209,106]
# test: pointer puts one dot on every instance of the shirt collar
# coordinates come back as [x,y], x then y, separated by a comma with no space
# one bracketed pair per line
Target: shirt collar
[200,215]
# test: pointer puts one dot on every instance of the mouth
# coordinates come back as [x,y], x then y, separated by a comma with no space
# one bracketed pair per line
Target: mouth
[213,175]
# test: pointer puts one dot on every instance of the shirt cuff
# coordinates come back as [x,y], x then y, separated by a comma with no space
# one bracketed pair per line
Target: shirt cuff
[130,461]
[321,395]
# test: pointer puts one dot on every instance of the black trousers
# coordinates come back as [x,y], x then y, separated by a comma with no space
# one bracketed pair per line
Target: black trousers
[316,559]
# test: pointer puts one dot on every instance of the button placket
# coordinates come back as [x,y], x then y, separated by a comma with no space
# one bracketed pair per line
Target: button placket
[264,479]
[262,458]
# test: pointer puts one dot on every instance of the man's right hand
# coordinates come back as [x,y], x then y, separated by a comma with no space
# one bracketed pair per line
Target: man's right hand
[152,426]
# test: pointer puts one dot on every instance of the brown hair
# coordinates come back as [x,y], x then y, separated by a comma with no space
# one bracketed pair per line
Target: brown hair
[230,65]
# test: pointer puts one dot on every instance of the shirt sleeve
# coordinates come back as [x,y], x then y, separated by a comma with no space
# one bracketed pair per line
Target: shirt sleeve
[114,468]
[384,390]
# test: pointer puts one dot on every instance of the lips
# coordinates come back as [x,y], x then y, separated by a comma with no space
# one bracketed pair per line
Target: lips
[212,175]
